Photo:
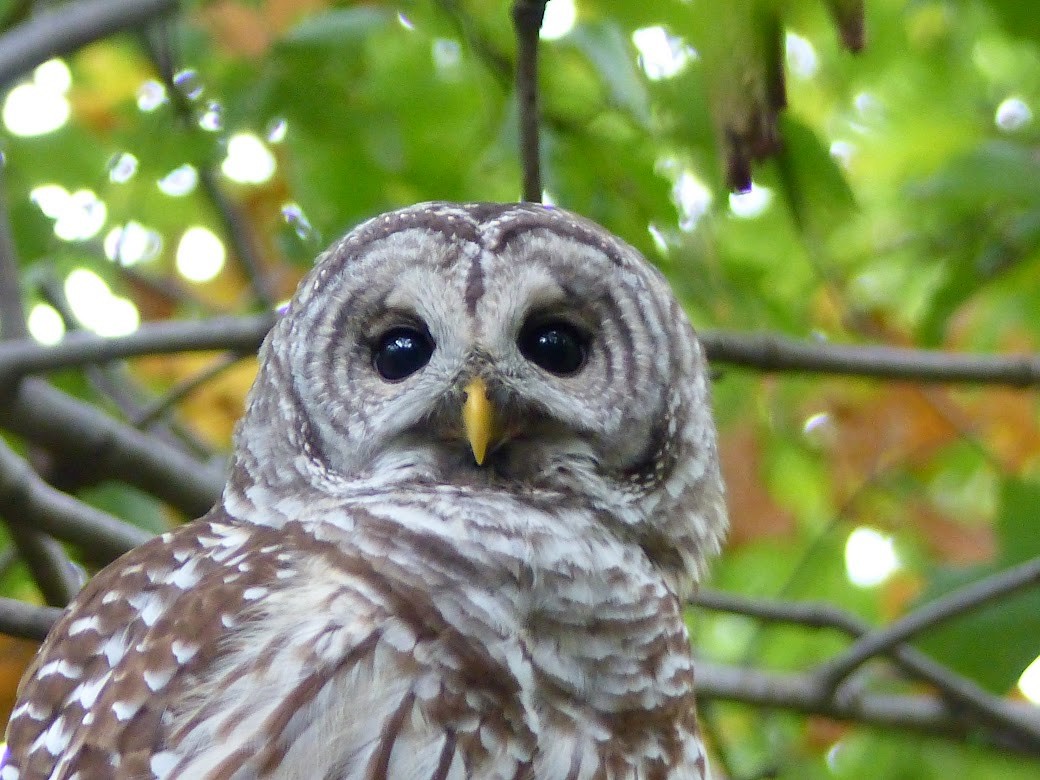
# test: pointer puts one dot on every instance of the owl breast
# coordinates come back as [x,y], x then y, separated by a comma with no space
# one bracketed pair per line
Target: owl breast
[566,657]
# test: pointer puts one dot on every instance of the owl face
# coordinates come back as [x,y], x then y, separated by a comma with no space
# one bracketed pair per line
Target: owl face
[419,321]
[516,347]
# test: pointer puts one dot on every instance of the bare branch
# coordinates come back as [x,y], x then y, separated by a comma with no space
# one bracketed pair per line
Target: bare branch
[29,502]
[954,688]
[769,353]
[527,20]
[46,416]
[51,570]
[12,307]
[239,334]
[26,621]
[61,30]
[775,353]
[803,693]
[959,602]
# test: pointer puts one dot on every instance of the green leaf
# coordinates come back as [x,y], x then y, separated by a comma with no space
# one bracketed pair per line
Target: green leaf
[613,56]
[335,28]
[814,185]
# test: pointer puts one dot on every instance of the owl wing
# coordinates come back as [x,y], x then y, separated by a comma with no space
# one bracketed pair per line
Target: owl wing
[96,697]
[224,650]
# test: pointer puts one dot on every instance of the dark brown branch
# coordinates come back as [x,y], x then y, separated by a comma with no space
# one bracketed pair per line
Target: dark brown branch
[954,688]
[802,693]
[61,30]
[26,621]
[50,568]
[12,307]
[768,353]
[46,416]
[239,334]
[527,20]
[775,353]
[961,601]
[27,501]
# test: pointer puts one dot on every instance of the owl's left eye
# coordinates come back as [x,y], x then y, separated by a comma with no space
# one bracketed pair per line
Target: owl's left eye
[557,346]
[400,352]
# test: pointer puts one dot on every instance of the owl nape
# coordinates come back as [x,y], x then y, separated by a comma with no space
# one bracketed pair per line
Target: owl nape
[474,484]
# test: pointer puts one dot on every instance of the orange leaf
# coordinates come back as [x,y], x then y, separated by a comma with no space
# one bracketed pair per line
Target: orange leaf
[753,513]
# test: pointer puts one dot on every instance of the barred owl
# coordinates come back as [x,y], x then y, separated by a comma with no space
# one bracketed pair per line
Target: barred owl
[474,483]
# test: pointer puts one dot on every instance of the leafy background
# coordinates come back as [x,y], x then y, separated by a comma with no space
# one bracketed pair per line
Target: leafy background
[903,208]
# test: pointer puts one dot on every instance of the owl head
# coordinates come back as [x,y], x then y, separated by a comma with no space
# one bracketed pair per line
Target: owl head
[501,347]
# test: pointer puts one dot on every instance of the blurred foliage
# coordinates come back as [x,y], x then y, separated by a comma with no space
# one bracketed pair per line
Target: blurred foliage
[903,207]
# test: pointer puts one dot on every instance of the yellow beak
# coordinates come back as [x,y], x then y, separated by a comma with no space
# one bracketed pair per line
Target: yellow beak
[478,419]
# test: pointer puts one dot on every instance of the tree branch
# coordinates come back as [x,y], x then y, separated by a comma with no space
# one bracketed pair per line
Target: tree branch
[770,353]
[775,353]
[61,30]
[27,501]
[51,570]
[46,416]
[527,21]
[26,621]
[802,693]
[953,604]
[242,335]
[956,689]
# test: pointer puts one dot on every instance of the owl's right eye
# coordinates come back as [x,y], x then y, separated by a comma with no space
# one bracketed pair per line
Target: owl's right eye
[400,352]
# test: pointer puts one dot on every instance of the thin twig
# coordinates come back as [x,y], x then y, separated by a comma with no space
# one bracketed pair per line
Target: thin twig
[527,21]
[26,621]
[242,237]
[236,226]
[58,31]
[182,389]
[961,601]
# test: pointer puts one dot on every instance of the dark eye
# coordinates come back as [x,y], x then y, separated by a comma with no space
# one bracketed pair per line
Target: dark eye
[558,347]
[400,352]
